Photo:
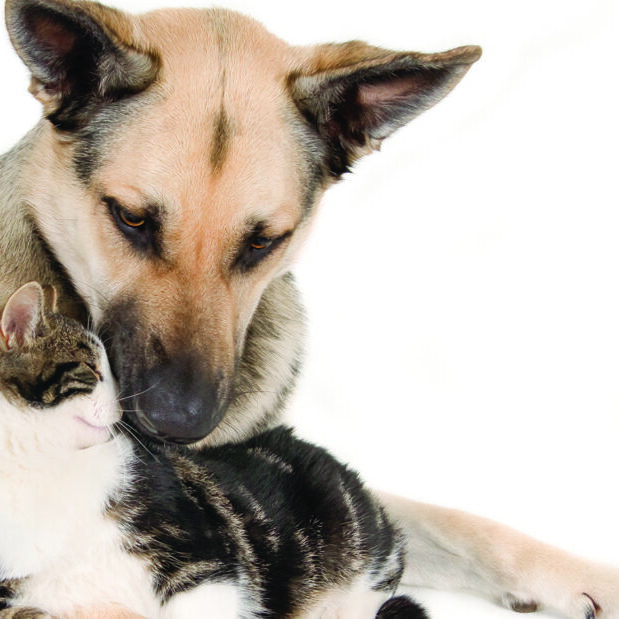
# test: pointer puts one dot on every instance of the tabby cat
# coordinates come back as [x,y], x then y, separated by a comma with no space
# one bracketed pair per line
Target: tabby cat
[272,527]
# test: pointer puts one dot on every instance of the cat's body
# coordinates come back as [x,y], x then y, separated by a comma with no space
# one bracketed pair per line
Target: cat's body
[272,527]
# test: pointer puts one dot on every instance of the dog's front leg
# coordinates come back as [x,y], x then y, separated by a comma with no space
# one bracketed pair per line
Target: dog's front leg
[449,549]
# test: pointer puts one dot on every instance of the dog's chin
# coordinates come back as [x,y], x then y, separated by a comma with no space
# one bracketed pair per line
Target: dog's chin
[140,424]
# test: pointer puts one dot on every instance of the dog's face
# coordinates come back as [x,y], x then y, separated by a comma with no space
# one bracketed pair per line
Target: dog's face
[188,150]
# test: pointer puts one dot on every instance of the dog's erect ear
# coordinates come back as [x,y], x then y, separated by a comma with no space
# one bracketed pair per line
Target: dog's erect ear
[80,55]
[21,316]
[356,95]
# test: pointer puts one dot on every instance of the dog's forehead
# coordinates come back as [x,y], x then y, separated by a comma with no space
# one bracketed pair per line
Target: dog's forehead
[218,131]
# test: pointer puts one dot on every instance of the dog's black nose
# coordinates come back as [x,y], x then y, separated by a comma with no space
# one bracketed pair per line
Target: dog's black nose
[175,401]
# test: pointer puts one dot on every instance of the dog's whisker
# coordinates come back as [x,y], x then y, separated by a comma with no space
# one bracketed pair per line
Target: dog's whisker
[241,394]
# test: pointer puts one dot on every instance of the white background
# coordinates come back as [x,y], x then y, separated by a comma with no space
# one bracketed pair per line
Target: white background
[461,285]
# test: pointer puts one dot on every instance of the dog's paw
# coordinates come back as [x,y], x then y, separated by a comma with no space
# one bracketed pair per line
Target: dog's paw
[596,595]
[599,597]
[588,591]
[584,607]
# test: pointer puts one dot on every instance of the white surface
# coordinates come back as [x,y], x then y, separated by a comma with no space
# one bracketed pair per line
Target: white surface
[462,284]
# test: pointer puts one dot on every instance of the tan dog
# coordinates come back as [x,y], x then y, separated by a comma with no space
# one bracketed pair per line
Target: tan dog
[171,182]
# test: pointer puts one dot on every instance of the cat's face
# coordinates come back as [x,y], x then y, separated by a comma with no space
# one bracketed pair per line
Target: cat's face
[54,374]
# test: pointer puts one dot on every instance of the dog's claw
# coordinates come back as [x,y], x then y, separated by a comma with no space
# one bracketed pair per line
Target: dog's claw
[591,608]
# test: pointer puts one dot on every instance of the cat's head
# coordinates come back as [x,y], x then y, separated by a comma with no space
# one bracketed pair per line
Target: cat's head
[54,373]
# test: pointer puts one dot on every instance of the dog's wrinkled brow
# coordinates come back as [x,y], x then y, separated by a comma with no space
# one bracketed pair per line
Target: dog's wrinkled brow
[221,140]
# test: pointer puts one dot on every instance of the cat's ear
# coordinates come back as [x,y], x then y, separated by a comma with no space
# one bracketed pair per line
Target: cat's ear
[51,298]
[81,55]
[356,95]
[21,316]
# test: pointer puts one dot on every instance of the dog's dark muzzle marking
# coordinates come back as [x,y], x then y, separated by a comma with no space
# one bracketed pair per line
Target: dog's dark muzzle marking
[168,393]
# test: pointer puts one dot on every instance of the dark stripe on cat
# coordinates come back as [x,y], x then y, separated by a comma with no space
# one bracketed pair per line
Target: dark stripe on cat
[48,390]
[275,511]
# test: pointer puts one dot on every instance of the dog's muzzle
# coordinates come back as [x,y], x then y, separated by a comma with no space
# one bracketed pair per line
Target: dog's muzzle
[175,402]
[169,392]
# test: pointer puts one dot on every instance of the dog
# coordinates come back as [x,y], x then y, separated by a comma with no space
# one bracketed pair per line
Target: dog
[171,182]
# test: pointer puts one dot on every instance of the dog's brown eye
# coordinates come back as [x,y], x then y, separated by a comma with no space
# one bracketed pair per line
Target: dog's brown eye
[259,244]
[141,231]
[131,220]
[257,248]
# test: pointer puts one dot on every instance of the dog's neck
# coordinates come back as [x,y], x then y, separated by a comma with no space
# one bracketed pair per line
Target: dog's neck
[20,238]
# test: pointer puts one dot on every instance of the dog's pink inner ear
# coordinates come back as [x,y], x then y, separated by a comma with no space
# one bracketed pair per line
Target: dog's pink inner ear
[357,95]
[21,315]
[81,56]
[56,38]
[375,94]
[387,104]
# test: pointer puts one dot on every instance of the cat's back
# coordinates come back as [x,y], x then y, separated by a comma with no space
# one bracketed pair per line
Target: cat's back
[275,512]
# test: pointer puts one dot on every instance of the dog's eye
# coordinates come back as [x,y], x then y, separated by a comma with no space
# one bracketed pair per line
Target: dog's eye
[130,219]
[125,219]
[261,243]
[140,230]
[258,248]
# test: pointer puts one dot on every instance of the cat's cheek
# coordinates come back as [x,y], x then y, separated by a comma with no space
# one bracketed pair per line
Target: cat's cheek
[95,419]
[88,435]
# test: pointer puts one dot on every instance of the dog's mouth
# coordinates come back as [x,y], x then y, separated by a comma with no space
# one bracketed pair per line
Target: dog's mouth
[175,410]
[139,421]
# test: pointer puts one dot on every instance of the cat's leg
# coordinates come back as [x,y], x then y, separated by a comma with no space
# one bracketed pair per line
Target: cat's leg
[110,611]
[357,604]
[449,549]
[23,612]
[8,591]
[216,600]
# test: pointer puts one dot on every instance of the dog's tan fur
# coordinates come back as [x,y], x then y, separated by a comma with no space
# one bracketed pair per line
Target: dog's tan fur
[210,129]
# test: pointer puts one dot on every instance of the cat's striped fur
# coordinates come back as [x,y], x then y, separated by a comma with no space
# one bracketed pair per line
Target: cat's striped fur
[271,527]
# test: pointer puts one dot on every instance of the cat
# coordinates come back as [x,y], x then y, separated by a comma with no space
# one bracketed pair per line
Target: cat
[271,527]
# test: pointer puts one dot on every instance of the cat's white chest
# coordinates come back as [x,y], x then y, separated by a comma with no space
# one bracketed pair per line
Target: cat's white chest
[53,529]
[50,505]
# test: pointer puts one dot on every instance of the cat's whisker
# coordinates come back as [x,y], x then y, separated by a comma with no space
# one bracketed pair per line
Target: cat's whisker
[125,427]
[135,395]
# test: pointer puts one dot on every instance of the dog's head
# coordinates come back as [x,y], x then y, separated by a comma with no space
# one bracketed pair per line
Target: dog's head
[180,164]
